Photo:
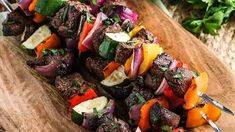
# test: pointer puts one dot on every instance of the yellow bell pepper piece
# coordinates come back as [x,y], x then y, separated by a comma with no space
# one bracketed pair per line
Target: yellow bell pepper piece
[134,31]
[151,51]
[199,84]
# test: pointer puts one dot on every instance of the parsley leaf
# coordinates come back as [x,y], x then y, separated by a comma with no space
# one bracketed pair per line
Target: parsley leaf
[166,128]
[141,99]
[94,2]
[97,113]
[179,75]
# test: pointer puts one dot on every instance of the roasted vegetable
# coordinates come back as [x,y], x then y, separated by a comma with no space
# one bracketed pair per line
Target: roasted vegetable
[48,7]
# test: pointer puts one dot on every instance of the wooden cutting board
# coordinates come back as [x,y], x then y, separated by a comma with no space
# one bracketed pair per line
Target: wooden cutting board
[27,103]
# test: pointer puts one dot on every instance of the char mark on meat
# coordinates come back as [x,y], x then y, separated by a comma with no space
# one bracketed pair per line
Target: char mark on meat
[145,35]
[70,85]
[15,23]
[122,54]
[96,66]
[179,80]
[160,117]
[137,93]
[155,75]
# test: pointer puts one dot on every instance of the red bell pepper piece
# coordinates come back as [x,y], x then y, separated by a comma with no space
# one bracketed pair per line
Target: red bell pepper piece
[86,29]
[77,99]
[172,98]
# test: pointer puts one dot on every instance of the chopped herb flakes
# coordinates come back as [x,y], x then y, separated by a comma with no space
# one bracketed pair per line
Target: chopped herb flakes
[97,113]
[178,75]
[166,128]
[141,99]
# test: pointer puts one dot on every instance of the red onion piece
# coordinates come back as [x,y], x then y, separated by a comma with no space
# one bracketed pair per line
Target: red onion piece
[162,87]
[24,4]
[48,70]
[126,13]
[173,64]
[136,62]
[134,113]
[87,42]
[95,8]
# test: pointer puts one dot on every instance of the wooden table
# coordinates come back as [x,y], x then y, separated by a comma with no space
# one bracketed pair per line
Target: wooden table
[30,104]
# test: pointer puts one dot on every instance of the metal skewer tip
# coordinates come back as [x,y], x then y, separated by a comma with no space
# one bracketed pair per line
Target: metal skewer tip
[6,5]
[210,122]
[215,103]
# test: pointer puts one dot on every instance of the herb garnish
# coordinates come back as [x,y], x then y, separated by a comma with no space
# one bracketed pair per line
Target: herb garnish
[116,18]
[97,113]
[88,17]
[195,74]
[94,2]
[65,14]
[114,125]
[141,99]
[166,128]
[163,69]
[178,75]
[47,52]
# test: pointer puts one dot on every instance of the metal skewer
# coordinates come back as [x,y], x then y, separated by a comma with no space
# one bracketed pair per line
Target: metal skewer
[211,123]
[215,103]
[6,5]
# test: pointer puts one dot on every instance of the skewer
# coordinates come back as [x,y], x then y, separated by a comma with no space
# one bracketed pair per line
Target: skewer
[215,103]
[7,5]
[210,122]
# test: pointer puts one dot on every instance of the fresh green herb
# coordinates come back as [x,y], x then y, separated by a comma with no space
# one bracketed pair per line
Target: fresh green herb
[178,75]
[211,15]
[116,18]
[84,1]
[88,17]
[141,99]
[107,48]
[128,27]
[76,83]
[97,113]
[114,125]
[49,7]
[108,21]
[163,69]
[94,2]
[65,14]
[166,128]
[195,74]
[83,89]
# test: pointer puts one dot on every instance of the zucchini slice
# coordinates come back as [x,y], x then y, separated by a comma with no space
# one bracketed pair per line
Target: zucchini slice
[39,36]
[119,37]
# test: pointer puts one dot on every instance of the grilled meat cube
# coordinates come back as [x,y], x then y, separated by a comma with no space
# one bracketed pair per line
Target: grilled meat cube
[96,66]
[145,35]
[155,76]
[99,34]
[136,95]
[179,79]
[122,54]
[70,85]
[160,116]
[53,64]
[15,23]
[114,126]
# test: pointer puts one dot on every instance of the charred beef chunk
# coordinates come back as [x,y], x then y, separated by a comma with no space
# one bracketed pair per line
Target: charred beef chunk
[96,66]
[160,117]
[68,19]
[54,63]
[138,96]
[155,76]
[15,23]
[179,79]
[122,54]
[145,35]
[70,85]
[99,34]
[114,126]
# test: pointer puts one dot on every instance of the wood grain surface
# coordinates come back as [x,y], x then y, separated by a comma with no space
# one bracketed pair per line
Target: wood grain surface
[27,103]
